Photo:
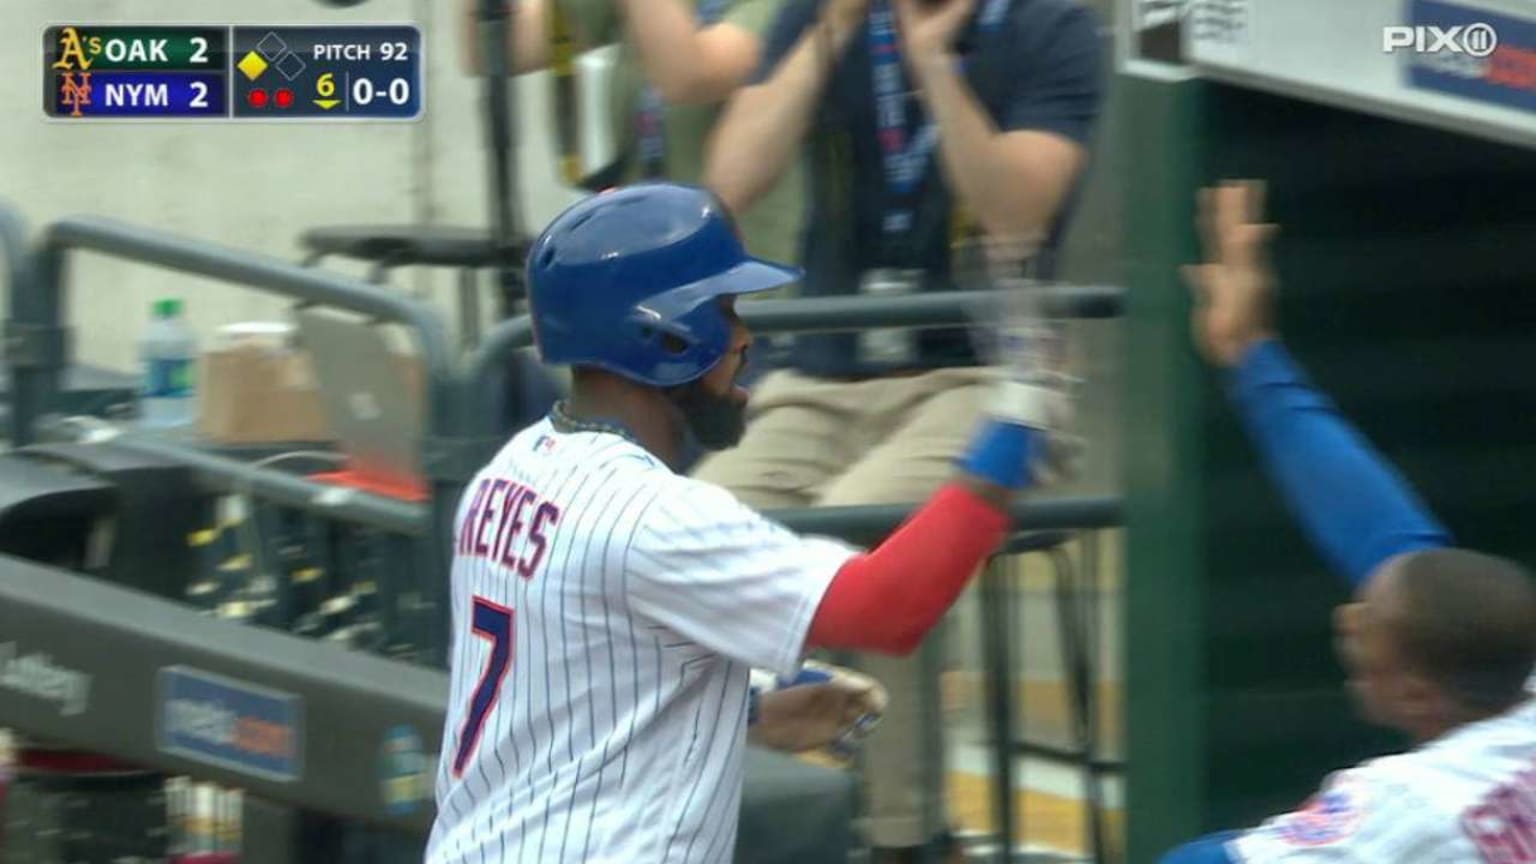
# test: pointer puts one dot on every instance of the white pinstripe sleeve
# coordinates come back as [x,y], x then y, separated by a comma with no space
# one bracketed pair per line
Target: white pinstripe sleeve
[1353,819]
[719,573]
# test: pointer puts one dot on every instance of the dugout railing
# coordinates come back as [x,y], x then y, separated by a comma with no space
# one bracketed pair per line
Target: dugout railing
[38,350]
[18,278]
[460,437]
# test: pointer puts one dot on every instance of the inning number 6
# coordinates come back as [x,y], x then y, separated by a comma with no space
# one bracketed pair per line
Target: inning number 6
[493,622]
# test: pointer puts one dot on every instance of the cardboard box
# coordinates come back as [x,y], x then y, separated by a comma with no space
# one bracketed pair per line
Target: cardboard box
[253,395]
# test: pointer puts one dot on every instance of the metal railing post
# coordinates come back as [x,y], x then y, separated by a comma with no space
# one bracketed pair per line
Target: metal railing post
[833,314]
[33,341]
[998,659]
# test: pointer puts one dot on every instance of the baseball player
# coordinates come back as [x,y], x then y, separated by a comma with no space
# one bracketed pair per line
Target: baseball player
[1439,643]
[607,612]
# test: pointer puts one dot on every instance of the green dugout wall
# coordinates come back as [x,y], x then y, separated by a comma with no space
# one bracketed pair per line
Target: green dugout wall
[1407,261]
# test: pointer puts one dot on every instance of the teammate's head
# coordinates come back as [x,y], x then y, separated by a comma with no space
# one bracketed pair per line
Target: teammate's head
[639,283]
[1439,638]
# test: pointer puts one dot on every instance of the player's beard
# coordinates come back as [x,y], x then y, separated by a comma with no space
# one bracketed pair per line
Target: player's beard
[716,421]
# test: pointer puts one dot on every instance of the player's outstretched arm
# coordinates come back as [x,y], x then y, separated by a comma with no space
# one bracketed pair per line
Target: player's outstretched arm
[887,599]
[1211,849]
[706,567]
[1355,508]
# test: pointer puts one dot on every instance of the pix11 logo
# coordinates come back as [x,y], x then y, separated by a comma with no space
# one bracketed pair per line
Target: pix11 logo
[1472,40]
[1469,53]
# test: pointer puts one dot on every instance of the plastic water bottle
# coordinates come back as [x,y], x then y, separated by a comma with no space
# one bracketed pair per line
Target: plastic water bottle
[169,353]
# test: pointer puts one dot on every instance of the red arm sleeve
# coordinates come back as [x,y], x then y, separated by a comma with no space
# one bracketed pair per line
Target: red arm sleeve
[887,600]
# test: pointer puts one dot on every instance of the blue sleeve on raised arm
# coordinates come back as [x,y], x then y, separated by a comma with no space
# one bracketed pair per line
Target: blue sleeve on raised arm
[1351,503]
[1210,849]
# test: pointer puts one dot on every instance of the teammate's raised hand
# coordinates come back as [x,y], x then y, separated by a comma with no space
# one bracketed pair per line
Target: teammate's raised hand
[1232,288]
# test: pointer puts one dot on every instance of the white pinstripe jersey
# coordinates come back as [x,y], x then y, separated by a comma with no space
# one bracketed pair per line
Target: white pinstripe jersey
[606,613]
[1467,797]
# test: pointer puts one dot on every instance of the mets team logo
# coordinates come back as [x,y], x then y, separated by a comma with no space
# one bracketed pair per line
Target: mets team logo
[1332,815]
[73,92]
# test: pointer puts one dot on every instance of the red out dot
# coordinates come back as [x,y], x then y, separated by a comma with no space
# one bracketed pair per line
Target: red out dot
[284,98]
[257,97]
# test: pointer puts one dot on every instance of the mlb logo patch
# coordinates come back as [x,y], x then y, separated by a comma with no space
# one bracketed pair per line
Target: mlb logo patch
[1332,815]
[545,445]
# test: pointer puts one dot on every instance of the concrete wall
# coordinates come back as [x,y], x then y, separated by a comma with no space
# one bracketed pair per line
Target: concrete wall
[249,185]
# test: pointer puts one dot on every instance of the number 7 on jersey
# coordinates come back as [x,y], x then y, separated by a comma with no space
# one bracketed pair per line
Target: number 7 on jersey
[490,621]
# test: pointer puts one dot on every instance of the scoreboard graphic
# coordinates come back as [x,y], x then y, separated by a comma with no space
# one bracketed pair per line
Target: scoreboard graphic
[371,72]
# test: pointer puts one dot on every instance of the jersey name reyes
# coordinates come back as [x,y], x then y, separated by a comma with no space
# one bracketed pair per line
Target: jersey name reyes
[508,523]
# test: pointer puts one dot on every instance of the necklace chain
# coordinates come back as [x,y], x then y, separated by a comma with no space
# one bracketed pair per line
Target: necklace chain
[564,423]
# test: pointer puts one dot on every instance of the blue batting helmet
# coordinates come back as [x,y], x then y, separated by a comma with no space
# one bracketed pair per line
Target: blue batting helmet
[626,281]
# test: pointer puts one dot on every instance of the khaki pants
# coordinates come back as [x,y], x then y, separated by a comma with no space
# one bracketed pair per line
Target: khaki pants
[882,441]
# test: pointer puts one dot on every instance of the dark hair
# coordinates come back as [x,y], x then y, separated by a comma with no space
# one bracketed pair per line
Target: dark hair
[1469,623]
